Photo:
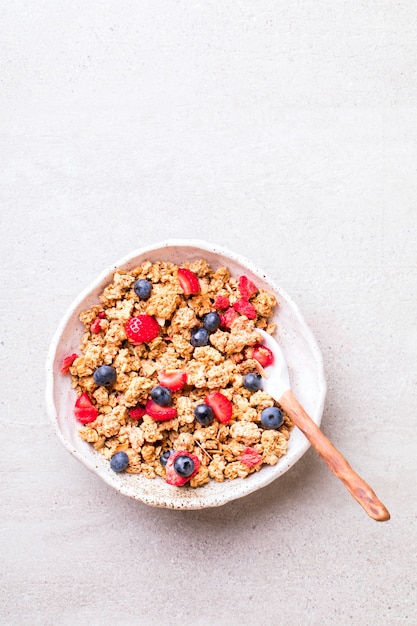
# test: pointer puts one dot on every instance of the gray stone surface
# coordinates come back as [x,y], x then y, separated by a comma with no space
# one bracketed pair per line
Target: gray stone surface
[284,131]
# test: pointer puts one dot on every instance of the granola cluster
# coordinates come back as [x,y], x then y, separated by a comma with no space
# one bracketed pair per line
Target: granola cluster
[225,450]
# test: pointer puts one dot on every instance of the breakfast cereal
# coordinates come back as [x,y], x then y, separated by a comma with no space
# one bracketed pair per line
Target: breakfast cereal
[169,375]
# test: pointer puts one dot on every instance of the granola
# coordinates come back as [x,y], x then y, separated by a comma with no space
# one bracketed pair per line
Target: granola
[153,342]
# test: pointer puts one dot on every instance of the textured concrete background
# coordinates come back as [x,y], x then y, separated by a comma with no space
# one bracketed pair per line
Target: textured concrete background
[282,130]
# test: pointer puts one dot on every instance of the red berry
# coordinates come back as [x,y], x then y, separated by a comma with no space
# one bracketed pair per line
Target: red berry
[250,457]
[102,315]
[263,355]
[84,409]
[141,329]
[221,302]
[227,318]
[95,326]
[171,477]
[172,379]
[160,413]
[84,401]
[188,281]
[222,407]
[244,307]
[246,287]
[67,362]
[137,412]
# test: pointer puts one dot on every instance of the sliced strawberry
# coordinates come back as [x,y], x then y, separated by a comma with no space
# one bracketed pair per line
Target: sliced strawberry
[84,409]
[172,379]
[84,401]
[95,326]
[246,287]
[160,413]
[250,457]
[67,362]
[141,329]
[188,281]
[244,307]
[221,302]
[227,318]
[85,416]
[171,476]
[222,407]
[137,412]
[263,355]
[102,315]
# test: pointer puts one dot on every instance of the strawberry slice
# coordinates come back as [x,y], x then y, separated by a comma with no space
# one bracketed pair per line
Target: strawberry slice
[244,307]
[222,407]
[67,362]
[246,287]
[227,318]
[172,379]
[188,281]
[263,355]
[171,476]
[160,413]
[137,412]
[250,457]
[95,326]
[85,416]
[221,302]
[84,401]
[141,329]
[84,409]
[102,315]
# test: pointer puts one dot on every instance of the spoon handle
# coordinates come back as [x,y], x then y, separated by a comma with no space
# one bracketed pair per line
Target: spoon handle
[358,488]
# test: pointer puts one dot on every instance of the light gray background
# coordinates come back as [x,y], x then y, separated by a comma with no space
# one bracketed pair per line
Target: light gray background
[282,130]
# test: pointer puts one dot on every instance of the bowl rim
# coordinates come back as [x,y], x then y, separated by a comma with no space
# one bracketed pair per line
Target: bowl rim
[197,503]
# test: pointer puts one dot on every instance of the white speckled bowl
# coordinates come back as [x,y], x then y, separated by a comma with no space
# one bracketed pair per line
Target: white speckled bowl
[296,340]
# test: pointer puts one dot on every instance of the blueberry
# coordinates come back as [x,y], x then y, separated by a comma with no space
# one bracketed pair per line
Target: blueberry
[165,456]
[204,414]
[184,465]
[142,288]
[161,395]
[105,375]
[211,322]
[119,462]
[252,382]
[272,417]
[199,337]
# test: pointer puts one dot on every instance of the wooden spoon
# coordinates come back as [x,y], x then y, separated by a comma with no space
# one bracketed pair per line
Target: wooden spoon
[277,385]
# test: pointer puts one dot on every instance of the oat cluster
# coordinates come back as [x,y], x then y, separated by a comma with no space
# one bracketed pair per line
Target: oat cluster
[219,366]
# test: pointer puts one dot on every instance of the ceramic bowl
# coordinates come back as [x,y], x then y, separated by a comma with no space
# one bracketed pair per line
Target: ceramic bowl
[296,340]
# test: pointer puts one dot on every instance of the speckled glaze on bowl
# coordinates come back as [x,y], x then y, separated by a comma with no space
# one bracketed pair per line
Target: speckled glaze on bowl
[296,340]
